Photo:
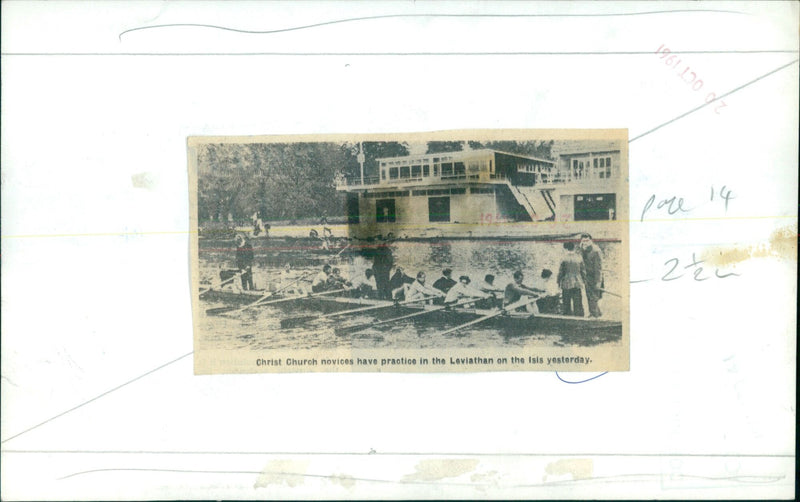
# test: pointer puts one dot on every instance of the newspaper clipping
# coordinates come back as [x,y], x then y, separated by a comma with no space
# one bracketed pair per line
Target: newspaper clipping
[493,250]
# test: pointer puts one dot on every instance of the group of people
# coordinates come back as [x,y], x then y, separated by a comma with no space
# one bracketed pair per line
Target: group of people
[580,270]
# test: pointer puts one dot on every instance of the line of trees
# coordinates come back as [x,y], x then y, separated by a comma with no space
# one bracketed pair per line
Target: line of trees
[292,181]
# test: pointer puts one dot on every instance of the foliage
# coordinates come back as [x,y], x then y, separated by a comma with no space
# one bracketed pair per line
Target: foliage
[444,146]
[282,181]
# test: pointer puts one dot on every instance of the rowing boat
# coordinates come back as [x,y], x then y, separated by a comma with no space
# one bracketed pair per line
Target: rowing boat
[514,322]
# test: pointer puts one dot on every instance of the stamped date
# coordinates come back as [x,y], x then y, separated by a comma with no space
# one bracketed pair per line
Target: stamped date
[689,77]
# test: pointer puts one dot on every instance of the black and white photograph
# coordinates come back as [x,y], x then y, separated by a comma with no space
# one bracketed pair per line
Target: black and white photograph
[428,252]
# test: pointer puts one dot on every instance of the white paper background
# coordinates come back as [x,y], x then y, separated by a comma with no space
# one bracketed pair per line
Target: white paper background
[95,282]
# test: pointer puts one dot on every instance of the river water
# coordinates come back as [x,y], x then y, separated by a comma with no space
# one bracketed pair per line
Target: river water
[259,328]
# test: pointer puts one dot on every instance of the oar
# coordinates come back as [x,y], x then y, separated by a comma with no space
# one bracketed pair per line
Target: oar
[513,306]
[272,302]
[226,281]
[293,321]
[269,294]
[359,327]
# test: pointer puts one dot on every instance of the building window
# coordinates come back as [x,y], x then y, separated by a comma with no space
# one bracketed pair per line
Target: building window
[447,169]
[383,174]
[436,169]
[426,170]
[595,162]
[416,171]
[385,211]
[460,169]
[404,171]
[439,209]
[595,207]
[393,173]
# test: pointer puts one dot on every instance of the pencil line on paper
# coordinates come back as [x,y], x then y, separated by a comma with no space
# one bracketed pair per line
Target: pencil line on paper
[714,100]
[411,16]
[180,232]
[401,54]
[390,454]
[742,479]
[150,372]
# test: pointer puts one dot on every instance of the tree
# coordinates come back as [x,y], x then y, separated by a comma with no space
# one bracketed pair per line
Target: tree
[282,180]
[445,146]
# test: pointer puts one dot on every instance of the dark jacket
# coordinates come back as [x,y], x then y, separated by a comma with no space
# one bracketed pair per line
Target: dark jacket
[444,284]
[244,256]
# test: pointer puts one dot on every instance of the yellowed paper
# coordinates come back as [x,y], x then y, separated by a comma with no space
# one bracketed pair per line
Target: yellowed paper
[500,250]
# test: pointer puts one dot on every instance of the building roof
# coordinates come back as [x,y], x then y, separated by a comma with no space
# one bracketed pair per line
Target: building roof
[586,152]
[465,154]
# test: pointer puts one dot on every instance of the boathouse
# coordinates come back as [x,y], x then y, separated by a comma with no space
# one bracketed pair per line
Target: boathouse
[483,186]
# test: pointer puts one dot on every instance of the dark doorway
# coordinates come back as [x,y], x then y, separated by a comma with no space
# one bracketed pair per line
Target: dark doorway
[384,211]
[352,209]
[601,206]
[439,209]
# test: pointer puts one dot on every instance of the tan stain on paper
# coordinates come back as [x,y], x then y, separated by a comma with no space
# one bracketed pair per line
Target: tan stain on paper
[434,470]
[782,244]
[345,480]
[277,472]
[578,468]
[143,180]
[484,480]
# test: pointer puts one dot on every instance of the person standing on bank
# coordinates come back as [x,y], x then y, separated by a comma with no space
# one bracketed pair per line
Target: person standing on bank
[593,262]
[244,261]
[571,275]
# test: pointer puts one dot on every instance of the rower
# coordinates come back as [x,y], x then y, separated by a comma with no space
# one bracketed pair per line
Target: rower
[516,290]
[548,285]
[417,290]
[336,281]
[320,282]
[289,282]
[488,286]
[397,282]
[363,285]
[445,282]
[462,289]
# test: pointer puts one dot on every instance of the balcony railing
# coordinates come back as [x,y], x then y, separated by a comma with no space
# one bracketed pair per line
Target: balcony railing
[561,178]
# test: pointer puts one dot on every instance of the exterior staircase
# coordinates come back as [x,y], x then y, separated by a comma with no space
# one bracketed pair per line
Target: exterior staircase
[540,206]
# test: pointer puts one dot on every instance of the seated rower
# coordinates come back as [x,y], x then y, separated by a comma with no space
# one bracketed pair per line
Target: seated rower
[290,282]
[363,285]
[336,281]
[462,289]
[548,285]
[320,282]
[397,283]
[516,290]
[488,286]
[445,282]
[417,290]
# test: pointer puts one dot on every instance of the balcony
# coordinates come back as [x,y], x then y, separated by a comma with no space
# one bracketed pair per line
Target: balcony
[354,183]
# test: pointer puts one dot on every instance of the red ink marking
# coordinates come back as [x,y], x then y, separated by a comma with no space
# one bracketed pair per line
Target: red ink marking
[695,83]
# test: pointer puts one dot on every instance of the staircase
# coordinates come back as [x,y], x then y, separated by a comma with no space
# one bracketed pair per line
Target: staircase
[539,208]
